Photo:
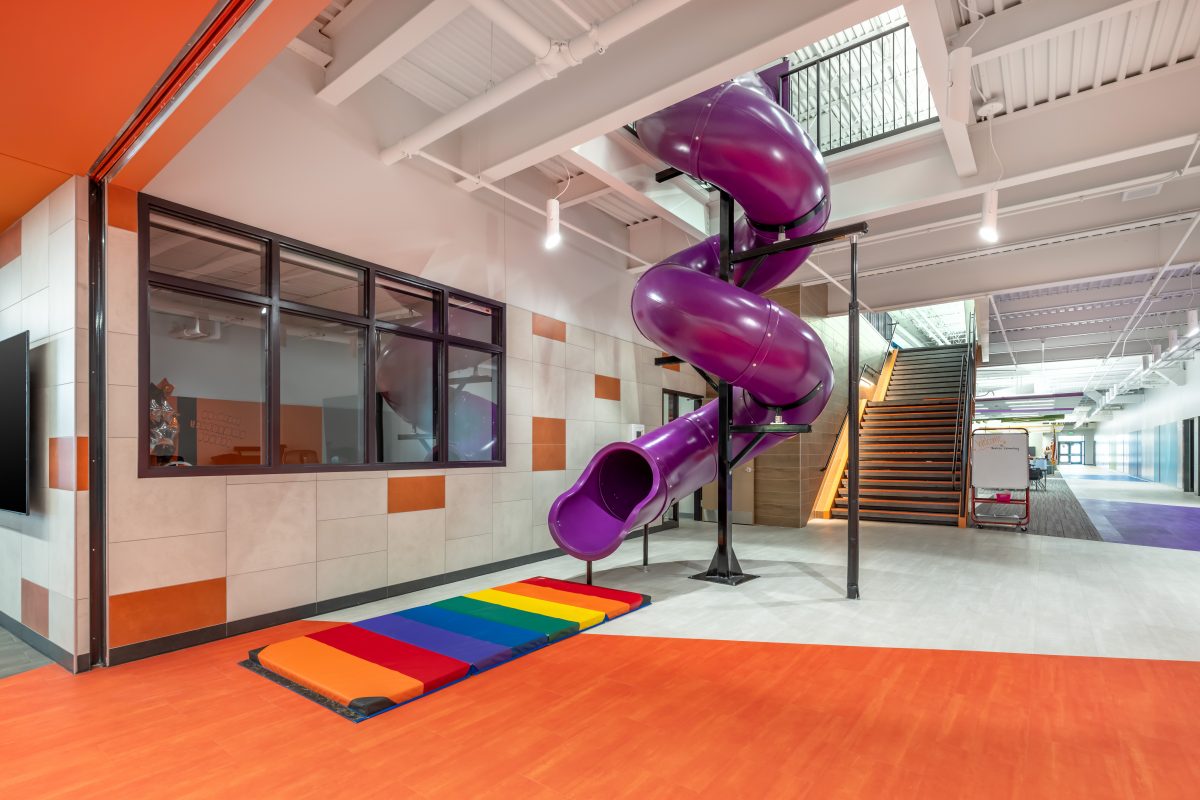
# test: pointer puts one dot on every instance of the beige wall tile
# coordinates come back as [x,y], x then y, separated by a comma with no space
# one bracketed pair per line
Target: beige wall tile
[61,204]
[153,563]
[608,410]
[122,350]
[148,508]
[294,477]
[82,631]
[338,538]
[549,351]
[61,279]
[581,337]
[543,541]
[339,577]
[518,372]
[370,474]
[469,552]
[579,358]
[10,284]
[62,621]
[512,486]
[271,525]
[549,393]
[361,497]
[546,487]
[607,432]
[468,505]
[519,457]
[630,409]
[60,536]
[512,525]
[255,593]
[520,401]
[581,442]
[35,248]
[35,315]
[122,411]
[416,545]
[580,400]
[518,340]
[122,291]
[10,572]
[519,429]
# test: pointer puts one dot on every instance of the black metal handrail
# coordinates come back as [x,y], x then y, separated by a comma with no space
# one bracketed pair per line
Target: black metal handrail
[962,433]
[860,93]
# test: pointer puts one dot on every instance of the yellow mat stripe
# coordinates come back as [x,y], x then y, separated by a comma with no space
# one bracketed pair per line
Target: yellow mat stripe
[584,616]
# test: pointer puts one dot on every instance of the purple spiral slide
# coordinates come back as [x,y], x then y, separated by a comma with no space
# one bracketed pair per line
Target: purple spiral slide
[738,137]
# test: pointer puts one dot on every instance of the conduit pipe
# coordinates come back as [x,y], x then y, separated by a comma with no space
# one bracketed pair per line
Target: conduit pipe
[552,59]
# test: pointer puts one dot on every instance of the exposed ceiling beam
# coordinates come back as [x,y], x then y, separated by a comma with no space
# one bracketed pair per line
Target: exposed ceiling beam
[581,189]
[929,34]
[313,45]
[695,47]
[612,162]
[380,36]
[1115,296]
[1034,21]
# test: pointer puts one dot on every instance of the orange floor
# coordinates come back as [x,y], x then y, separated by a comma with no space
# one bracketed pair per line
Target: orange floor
[615,716]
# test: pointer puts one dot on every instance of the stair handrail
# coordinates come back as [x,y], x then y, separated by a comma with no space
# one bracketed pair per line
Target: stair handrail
[887,351]
[967,398]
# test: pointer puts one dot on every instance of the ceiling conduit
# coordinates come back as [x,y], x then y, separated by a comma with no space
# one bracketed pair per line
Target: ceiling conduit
[553,57]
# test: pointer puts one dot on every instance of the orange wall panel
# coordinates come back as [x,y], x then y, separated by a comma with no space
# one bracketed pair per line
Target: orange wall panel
[10,243]
[154,613]
[549,430]
[549,327]
[417,493]
[547,457]
[672,367]
[608,388]
[122,208]
[68,463]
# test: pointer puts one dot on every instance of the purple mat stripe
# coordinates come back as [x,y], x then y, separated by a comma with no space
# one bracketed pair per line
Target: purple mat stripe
[1148,524]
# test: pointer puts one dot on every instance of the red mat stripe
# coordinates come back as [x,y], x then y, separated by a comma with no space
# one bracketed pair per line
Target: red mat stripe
[432,669]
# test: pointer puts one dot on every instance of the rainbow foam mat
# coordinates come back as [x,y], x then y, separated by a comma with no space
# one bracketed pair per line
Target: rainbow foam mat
[361,669]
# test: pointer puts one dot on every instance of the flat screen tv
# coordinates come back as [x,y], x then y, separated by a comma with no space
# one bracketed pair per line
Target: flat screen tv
[14,424]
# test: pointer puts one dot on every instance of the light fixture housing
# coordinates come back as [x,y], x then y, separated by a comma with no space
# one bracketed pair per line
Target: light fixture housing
[1172,341]
[990,216]
[1193,323]
[553,235]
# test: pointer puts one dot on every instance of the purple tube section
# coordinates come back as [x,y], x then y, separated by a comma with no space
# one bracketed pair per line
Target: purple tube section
[739,138]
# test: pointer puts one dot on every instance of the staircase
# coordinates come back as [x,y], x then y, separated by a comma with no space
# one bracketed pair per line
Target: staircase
[911,441]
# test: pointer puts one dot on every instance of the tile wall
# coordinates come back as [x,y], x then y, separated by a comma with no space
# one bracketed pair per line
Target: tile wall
[43,289]
[195,553]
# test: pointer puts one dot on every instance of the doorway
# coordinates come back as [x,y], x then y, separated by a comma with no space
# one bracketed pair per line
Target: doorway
[675,405]
[1070,452]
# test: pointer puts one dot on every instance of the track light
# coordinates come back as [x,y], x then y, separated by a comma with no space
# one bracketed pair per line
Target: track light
[1172,341]
[988,230]
[1193,323]
[553,237]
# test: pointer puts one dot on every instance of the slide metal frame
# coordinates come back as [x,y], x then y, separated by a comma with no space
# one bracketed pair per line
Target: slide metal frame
[724,567]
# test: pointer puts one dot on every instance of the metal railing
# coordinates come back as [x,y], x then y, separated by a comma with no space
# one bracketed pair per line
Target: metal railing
[962,431]
[862,92]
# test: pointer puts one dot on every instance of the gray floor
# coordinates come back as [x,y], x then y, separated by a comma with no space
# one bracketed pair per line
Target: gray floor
[922,586]
[1056,512]
[16,656]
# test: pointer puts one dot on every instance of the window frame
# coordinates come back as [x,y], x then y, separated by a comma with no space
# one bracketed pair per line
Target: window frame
[273,245]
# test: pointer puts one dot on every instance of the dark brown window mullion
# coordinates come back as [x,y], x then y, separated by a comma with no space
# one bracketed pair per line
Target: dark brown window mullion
[168,281]
[372,452]
[442,379]
[501,395]
[272,410]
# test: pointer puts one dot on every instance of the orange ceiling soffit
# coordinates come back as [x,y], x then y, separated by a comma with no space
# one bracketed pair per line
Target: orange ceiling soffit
[169,87]
[266,38]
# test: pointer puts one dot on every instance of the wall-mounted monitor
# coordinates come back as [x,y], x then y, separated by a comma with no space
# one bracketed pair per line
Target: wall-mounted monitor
[14,424]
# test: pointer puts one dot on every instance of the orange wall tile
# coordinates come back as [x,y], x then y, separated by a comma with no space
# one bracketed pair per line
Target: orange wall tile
[549,327]
[608,388]
[122,207]
[673,367]
[154,613]
[68,463]
[10,243]
[417,493]
[548,457]
[549,430]
[35,607]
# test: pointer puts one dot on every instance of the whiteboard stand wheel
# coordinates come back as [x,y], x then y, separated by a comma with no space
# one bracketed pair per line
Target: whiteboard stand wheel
[1024,529]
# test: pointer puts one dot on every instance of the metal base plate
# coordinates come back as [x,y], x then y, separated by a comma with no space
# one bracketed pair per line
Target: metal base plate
[734,579]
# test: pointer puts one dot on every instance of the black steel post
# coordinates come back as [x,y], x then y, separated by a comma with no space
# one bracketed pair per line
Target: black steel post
[724,567]
[852,391]
[97,413]
[589,573]
[645,545]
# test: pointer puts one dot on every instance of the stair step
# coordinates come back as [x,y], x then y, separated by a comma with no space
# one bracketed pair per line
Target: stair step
[925,380]
[910,414]
[915,405]
[875,429]
[922,493]
[906,442]
[929,479]
[919,518]
[886,463]
[868,484]
[886,504]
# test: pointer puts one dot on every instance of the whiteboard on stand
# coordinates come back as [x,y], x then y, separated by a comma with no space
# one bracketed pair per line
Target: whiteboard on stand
[1000,459]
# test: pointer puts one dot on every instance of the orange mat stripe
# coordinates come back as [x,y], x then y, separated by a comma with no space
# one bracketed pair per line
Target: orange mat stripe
[611,608]
[336,674]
